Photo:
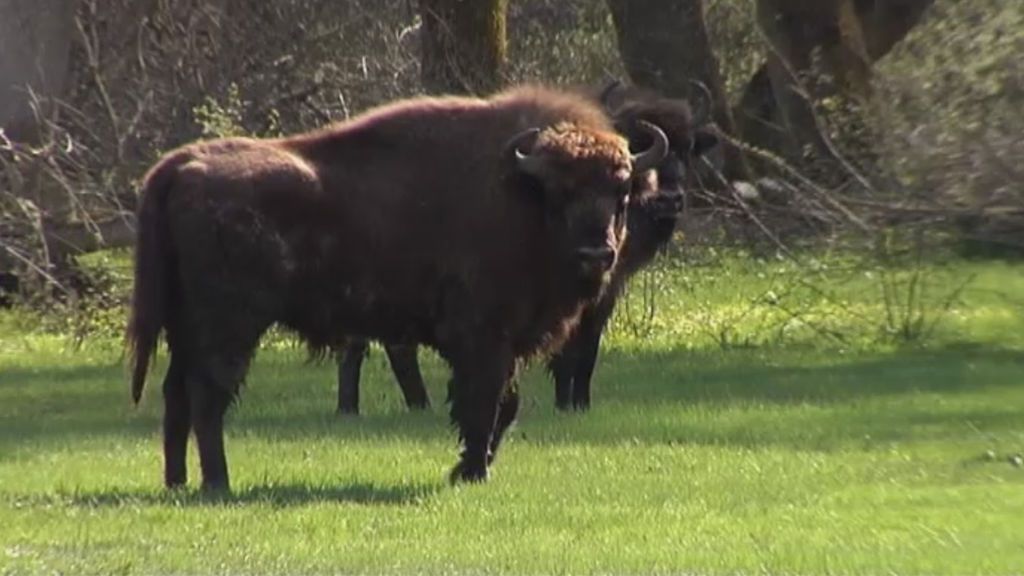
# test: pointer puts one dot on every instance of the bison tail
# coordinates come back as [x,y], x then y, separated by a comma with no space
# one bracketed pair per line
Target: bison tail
[152,264]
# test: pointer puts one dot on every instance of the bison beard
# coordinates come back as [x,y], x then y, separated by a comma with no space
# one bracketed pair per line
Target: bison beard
[656,201]
[478,227]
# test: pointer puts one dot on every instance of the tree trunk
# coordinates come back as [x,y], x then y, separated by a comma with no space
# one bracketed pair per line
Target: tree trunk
[889,22]
[35,42]
[463,45]
[795,33]
[664,45]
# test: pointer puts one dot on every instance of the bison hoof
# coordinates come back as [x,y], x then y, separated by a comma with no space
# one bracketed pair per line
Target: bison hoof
[175,480]
[215,489]
[463,472]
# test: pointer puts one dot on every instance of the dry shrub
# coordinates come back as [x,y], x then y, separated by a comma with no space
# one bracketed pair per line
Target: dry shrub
[954,134]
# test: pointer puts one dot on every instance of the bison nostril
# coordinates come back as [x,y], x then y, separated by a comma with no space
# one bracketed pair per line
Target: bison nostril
[602,255]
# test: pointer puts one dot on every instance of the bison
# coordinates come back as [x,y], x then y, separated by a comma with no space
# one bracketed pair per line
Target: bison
[656,203]
[479,227]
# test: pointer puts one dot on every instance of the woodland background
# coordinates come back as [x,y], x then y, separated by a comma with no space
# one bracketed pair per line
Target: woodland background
[876,125]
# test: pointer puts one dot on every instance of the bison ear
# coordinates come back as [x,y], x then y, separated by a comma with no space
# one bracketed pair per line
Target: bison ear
[703,141]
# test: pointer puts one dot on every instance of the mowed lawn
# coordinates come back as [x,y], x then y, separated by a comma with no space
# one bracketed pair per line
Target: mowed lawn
[779,454]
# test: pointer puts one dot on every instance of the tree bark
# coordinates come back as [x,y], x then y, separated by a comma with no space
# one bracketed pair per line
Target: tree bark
[35,43]
[889,22]
[795,28]
[463,45]
[664,45]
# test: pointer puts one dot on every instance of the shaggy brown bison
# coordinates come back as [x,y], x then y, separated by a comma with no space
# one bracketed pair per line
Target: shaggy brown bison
[656,202]
[478,227]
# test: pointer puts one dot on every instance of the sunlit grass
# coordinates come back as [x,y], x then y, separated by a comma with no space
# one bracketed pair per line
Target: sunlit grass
[787,455]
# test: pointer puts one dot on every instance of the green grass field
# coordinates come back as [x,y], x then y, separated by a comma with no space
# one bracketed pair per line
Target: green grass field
[752,424]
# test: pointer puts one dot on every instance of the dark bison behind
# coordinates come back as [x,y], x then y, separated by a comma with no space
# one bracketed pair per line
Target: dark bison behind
[656,202]
[478,227]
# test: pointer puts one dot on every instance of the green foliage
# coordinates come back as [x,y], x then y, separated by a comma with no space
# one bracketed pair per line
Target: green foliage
[964,63]
[949,118]
[568,43]
[92,312]
[221,120]
[736,41]
[719,299]
[226,119]
[727,299]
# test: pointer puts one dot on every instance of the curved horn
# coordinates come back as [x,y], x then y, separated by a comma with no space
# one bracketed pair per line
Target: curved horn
[526,161]
[656,153]
[699,118]
[606,94]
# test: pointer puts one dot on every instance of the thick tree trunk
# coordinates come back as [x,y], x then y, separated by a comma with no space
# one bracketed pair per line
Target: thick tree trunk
[35,42]
[795,28]
[889,22]
[665,46]
[463,45]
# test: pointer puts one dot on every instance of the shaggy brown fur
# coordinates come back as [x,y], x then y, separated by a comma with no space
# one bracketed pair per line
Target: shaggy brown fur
[656,201]
[415,222]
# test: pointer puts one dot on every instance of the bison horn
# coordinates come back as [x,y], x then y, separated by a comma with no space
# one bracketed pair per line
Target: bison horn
[526,161]
[704,112]
[606,94]
[656,153]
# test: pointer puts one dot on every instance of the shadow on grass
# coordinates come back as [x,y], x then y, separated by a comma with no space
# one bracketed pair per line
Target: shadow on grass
[278,496]
[287,399]
[742,377]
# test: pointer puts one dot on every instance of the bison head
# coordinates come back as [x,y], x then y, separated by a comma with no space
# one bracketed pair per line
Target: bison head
[584,179]
[658,195]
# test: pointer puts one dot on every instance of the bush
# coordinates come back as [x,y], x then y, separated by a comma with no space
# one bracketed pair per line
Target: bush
[953,128]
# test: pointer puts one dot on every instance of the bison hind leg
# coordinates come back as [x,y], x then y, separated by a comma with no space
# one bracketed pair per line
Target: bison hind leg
[177,422]
[212,389]
[406,366]
[562,367]
[214,378]
[349,368]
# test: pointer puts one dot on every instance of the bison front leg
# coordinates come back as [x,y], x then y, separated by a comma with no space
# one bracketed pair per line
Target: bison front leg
[479,379]
[209,403]
[349,367]
[407,371]
[590,344]
[588,347]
